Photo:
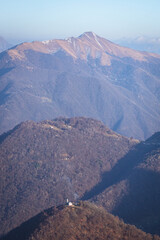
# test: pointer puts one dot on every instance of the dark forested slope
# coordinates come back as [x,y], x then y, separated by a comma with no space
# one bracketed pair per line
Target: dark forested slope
[43,164]
[85,221]
[131,189]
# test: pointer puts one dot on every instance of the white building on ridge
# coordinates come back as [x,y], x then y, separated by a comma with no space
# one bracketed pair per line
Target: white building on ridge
[69,203]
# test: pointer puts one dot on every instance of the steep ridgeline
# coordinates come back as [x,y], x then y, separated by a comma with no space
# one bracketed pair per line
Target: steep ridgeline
[83,221]
[131,189]
[85,76]
[43,164]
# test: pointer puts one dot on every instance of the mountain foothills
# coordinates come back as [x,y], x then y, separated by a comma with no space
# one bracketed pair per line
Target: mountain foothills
[85,76]
[43,164]
[82,221]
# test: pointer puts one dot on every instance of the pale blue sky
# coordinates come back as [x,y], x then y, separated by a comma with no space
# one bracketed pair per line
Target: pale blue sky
[26,20]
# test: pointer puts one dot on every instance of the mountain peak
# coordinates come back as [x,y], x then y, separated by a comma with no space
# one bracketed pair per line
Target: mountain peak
[88,34]
[91,36]
[86,45]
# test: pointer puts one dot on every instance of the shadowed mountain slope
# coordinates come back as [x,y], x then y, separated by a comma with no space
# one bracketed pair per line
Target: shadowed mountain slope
[85,76]
[43,164]
[131,189]
[85,221]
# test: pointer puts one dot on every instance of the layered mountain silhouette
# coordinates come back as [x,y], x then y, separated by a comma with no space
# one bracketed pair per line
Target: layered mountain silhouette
[43,164]
[81,221]
[85,76]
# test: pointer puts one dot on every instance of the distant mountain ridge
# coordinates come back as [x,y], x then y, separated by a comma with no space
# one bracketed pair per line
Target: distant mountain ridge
[86,45]
[142,43]
[85,76]
[4,44]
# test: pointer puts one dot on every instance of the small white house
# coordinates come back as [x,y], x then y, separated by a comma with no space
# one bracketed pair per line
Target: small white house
[69,203]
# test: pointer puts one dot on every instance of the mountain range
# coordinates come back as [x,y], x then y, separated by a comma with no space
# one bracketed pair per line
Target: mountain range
[42,164]
[85,76]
